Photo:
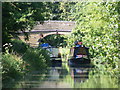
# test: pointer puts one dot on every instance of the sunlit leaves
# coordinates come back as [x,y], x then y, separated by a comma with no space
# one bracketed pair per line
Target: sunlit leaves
[98,21]
[20,16]
[55,40]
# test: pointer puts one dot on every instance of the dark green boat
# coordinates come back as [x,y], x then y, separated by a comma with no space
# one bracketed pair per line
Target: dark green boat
[79,55]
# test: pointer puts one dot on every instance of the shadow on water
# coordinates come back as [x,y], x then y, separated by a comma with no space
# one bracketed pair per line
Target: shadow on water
[61,75]
[79,73]
[29,80]
[56,63]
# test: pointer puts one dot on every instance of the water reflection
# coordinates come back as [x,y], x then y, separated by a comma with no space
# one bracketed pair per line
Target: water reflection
[56,72]
[79,74]
[60,75]
[56,63]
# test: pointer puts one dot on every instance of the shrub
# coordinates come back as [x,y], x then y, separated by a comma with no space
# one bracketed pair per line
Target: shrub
[36,58]
[13,66]
[19,46]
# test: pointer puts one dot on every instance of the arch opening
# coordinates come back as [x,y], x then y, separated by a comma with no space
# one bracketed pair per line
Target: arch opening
[54,40]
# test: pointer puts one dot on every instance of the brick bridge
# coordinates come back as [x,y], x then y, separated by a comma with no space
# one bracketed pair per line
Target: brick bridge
[48,28]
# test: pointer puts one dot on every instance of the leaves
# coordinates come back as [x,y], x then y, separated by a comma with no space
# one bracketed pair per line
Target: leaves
[20,16]
[55,40]
[99,24]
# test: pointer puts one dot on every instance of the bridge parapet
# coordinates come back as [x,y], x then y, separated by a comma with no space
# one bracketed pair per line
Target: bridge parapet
[48,28]
[55,25]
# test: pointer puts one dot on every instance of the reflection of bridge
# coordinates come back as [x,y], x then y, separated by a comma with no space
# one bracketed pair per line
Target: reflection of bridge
[48,28]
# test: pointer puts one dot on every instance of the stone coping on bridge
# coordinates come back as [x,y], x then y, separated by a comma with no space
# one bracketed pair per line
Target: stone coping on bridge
[47,28]
[55,25]
[52,26]
[34,31]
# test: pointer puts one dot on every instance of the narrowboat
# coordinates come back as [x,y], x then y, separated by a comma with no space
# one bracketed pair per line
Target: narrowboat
[79,55]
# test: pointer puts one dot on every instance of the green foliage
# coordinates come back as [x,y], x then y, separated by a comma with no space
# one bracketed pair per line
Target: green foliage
[20,59]
[60,10]
[67,9]
[55,40]
[21,16]
[19,46]
[13,66]
[37,59]
[97,27]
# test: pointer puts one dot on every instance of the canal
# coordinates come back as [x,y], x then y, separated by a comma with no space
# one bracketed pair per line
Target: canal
[61,75]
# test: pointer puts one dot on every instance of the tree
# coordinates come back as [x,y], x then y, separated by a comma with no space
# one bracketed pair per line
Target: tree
[20,16]
[97,27]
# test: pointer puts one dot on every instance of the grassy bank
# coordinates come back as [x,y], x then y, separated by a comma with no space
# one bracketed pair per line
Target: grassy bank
[20,59]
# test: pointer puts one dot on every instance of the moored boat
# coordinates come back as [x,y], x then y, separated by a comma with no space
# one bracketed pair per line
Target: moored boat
[79,55]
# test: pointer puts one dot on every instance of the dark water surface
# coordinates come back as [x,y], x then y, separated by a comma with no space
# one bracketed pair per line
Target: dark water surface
[60,75]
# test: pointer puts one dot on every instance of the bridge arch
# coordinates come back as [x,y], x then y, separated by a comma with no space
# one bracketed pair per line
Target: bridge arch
[48,28]
[52,33]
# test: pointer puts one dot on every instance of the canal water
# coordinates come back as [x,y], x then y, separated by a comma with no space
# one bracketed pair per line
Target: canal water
[61,75]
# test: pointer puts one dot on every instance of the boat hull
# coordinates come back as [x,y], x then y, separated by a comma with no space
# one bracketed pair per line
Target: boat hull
[78,61]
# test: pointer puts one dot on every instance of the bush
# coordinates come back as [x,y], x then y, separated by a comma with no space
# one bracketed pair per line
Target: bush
[21,60]
[36,58]
[19,46]
[13,66]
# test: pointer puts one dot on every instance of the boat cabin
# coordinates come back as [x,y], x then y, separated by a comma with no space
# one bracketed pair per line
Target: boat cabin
[79,55]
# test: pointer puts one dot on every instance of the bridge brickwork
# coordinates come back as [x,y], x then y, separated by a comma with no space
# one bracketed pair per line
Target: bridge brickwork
[48,28]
